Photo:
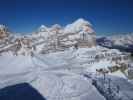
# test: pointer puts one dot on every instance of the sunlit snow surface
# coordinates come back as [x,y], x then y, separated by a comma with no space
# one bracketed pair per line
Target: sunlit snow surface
[53,75]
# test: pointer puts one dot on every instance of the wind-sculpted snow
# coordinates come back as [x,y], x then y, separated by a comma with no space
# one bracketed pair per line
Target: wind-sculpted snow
[15,70]
[59,75]
[78,26]
[51,74]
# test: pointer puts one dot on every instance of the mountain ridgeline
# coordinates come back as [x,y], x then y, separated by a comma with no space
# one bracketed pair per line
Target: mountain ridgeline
[48,39]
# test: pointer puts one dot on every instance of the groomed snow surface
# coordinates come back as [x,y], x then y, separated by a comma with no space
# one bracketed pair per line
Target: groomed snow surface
[51,74]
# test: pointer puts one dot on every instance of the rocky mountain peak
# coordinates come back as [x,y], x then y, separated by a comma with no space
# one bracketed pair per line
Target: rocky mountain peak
[3,31]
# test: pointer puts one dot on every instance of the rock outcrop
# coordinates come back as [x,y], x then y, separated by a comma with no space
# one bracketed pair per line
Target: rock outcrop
[3,32]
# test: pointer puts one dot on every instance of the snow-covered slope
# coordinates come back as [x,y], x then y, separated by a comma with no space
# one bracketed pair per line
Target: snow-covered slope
[58,75]
[52,75]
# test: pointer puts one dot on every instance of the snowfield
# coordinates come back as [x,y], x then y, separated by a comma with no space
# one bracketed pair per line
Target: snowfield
[59,75]
[52,75]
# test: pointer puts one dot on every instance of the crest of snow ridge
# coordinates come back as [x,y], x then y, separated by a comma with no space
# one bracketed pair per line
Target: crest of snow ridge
[75,27]
[78,25]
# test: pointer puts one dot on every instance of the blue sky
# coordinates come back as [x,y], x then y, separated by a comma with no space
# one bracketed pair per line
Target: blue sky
[107,16]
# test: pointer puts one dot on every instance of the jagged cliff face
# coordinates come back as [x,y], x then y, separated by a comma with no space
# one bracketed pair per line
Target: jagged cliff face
[51,39]
[3,32]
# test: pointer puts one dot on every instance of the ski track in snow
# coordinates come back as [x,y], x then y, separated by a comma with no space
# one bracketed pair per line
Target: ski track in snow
[41,73]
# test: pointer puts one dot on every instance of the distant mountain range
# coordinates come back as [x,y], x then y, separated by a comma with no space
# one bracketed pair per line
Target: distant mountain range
[123,42]
[48,39]
[56,38]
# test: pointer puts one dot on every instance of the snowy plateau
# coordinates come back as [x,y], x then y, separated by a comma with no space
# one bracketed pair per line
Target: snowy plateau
[68,63]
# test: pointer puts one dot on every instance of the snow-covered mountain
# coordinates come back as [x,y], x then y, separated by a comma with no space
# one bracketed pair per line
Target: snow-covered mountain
[66,63]
[50,39]
[121,42]
[79,25]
